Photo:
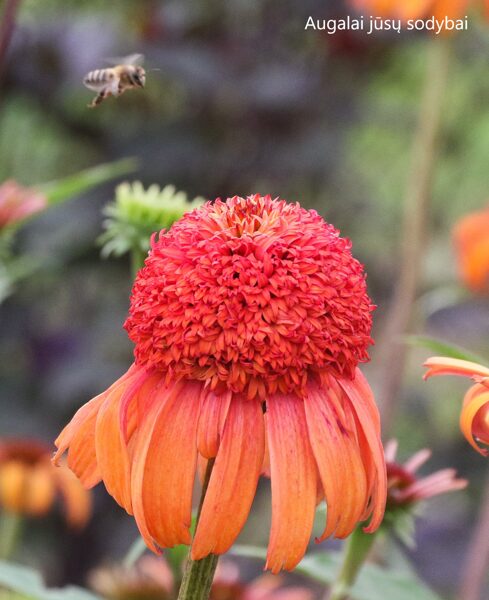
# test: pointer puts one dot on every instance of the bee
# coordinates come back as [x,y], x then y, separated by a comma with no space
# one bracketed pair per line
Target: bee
[125,75]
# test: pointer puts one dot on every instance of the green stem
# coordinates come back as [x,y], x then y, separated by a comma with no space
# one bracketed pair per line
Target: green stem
[357,548]
[199,574]
[391,351]
[10,533]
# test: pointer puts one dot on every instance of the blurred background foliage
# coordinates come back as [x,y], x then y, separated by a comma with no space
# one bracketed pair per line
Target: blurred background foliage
[244,101]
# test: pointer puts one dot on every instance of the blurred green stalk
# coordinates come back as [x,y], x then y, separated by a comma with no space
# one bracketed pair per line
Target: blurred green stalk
[357,548]
[391,356]
[10,533]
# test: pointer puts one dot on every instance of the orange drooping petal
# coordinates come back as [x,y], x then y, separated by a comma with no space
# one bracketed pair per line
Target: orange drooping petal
[148,419]
[294,482]
[442,365]
[475,400]
[337,456]
[170,464]
[78,437]
[211,423]
[372,451]
[234,478]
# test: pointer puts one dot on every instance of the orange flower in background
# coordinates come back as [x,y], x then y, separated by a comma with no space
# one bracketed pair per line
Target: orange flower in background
[417,9]
[18,203]
[249,319]
[406,488]
[474,418]
[471,238]
[30,484]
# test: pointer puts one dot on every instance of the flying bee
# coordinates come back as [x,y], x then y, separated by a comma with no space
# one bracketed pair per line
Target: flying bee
[125,75]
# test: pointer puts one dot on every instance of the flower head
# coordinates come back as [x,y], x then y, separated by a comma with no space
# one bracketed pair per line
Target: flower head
[474,418]
[249,319]
[471,237]
[18,203]
[29,483]
[405,488]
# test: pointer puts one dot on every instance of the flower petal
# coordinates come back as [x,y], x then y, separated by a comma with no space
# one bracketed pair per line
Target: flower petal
[111,449]
[170,465]
[294,482]
[475,399]
[212,418]
[442,365]
[361,400]
[78,437]
[234,478]
[338,459]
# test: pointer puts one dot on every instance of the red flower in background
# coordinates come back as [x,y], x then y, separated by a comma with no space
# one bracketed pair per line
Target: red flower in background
[249,319]
[18,203]
[471,238]
[406,488]
[474,418]
[30,484]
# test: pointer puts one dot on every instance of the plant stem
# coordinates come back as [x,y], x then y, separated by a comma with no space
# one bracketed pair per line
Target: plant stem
[7,26]
[391,355]
[199,574]
[477,558]
[357,548]
[10,532]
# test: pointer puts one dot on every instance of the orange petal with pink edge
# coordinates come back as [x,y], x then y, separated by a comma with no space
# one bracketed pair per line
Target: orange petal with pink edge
[353,470]
[153,407]
[111,449]
[170,465]
[372,450]
[212,418]
[475,400]
[234,478]
[294,482]
[327,447]
[442,365]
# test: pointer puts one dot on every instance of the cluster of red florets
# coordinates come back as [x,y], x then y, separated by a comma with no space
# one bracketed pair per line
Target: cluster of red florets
[252,295]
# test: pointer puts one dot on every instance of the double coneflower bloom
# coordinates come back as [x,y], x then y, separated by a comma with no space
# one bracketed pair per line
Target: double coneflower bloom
[249,319]
[474,418]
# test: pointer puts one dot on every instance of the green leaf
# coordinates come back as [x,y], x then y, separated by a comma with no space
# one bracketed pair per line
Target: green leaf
[373,582]
[28,582]
[63,189]
[442,348]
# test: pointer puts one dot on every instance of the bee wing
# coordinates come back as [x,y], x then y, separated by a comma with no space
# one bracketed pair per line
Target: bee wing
[131,60]
[96,87]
